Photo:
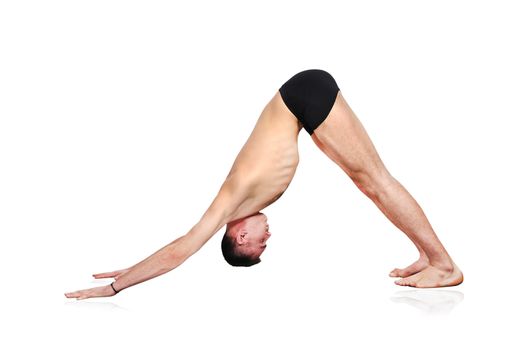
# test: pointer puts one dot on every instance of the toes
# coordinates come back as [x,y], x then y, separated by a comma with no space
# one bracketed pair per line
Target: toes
[406,273]
[402,272]
[395,273]
[405,282]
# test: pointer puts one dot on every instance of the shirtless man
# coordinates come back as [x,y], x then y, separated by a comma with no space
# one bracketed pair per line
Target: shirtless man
[263,170]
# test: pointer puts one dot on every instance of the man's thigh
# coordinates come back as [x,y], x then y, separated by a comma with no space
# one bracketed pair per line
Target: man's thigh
[344,140]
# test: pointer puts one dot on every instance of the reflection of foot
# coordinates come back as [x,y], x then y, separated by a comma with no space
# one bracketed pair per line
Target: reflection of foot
[417,266]
[430,301]
[431,277]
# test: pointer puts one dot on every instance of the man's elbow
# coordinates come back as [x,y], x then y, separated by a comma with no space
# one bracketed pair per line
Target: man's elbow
[178,251]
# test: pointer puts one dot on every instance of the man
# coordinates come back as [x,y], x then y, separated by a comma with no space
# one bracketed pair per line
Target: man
[263,170]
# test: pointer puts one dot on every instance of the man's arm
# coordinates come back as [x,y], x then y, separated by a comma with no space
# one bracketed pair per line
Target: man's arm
[175,253]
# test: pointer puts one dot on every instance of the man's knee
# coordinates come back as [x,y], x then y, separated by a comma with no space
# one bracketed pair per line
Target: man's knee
[372,183]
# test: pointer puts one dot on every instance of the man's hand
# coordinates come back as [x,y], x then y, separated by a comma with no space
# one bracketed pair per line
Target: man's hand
[114,274]
[97,292]
[105,291]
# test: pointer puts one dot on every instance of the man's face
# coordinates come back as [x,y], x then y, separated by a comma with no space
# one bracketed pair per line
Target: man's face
[255,234]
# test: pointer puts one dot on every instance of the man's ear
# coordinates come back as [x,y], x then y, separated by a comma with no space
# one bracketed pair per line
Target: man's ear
[240,236]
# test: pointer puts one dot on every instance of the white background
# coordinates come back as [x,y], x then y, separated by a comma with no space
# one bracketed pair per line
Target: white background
[121,119]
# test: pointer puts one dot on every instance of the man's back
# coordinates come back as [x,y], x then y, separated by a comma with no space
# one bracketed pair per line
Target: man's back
[268,160]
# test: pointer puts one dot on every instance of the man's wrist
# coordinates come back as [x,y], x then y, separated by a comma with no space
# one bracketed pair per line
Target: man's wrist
[114,289]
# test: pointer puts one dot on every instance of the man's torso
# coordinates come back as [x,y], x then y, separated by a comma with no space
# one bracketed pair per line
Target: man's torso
[267,162]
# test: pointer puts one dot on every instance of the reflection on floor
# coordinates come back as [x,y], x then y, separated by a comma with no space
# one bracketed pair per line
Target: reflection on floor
[430,301]
[94,305]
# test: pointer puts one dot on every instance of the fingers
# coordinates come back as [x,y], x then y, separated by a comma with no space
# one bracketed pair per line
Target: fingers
[81,294]
[78,294]
[105,274]
[114,274]
[97,292]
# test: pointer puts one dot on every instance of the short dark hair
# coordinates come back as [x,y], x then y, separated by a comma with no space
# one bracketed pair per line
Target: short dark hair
[232,255]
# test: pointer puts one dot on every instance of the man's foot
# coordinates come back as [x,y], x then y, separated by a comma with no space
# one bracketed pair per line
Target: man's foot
[417,266]
[432,277]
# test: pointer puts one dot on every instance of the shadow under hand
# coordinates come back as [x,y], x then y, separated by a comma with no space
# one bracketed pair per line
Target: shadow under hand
[95,305]
[429,301]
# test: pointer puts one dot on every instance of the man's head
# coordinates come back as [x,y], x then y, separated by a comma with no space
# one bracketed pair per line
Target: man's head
[245,240]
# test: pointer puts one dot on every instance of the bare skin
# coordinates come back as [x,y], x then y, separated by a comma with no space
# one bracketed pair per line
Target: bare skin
[343,139]
[261,173]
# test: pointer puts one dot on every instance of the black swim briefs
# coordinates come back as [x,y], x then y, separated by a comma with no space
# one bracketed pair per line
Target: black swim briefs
[310,95]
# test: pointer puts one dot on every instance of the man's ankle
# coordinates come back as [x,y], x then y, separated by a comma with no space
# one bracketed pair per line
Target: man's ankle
[444,264]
